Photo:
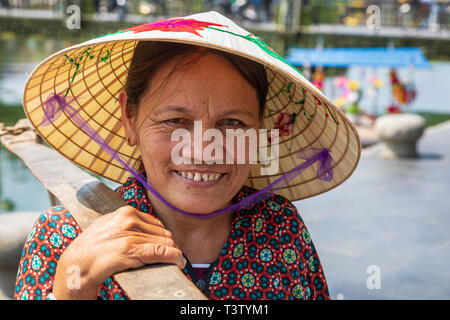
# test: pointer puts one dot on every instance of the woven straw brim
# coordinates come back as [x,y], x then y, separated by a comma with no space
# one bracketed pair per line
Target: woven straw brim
[96,79]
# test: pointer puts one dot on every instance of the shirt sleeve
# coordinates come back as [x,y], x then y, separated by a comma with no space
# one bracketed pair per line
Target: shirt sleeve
[306,279]
[51,234]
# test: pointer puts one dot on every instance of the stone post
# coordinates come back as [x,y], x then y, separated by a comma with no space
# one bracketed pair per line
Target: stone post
[400,133]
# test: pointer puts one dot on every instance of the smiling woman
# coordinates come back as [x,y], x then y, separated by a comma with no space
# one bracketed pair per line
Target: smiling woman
[113,104]
[188,84]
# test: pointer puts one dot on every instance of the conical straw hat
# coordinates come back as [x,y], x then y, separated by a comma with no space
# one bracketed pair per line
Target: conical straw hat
[92,74]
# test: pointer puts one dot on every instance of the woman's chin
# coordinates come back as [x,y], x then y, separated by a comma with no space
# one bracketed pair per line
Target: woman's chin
[203,206]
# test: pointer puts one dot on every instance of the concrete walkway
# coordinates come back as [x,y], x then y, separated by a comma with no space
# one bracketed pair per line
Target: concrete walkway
[391,214]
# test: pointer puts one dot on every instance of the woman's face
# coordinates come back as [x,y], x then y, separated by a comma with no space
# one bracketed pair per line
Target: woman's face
[210,90]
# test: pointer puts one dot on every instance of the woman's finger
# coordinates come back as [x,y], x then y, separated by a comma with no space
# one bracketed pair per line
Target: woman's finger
[159,253]
[148,218]
[138,238]
[128,214]
[145,228]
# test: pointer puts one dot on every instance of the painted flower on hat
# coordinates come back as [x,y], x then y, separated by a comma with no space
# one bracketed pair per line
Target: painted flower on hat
[285,123]
[175,25]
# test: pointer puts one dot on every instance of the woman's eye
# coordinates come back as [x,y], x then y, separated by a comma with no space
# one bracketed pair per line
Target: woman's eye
[174,121]
[232,123]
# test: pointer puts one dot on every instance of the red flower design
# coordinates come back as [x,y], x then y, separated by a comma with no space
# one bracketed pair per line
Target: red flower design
[285,124]
[318,102]
[175,25]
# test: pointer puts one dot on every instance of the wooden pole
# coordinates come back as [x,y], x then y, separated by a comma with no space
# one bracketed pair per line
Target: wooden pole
[86,198]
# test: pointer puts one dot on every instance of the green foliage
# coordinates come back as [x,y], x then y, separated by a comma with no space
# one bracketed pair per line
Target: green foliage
[433,118]
[10,114]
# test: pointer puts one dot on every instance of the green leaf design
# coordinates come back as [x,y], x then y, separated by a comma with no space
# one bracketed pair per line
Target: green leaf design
[106,57]
[260,43]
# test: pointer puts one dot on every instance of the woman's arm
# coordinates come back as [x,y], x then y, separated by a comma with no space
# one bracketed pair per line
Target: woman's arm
[59,258]
[52,232]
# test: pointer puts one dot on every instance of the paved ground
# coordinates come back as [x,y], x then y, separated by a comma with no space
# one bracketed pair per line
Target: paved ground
[394,214]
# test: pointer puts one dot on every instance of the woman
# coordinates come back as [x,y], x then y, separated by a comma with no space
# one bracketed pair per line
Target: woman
[141,85]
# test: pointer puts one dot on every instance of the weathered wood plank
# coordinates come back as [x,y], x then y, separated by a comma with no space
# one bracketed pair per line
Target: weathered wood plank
[86,198]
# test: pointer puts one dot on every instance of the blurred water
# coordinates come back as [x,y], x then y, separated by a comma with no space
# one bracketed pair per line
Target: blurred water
[19,189]
[18,57]
[12,82]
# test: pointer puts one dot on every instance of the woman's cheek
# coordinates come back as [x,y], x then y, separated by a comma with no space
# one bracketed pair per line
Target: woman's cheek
[242,173]
[155,152]
[154,139]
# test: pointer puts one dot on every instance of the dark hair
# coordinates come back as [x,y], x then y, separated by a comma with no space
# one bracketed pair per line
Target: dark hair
[148,56]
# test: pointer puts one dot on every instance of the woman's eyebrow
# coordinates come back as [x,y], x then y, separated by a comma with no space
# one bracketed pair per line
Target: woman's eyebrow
[173,108]
[238,112]
[181,109]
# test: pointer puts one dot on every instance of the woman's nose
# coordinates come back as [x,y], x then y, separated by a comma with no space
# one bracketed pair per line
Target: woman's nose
[206,144]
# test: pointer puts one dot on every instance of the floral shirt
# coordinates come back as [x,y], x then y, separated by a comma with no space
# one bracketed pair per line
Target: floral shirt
[268,255]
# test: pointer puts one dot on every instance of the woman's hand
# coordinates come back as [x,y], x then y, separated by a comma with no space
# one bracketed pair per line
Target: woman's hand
[123,239]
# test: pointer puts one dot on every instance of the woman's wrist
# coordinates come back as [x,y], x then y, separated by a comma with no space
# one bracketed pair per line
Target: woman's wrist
[72,279]
[81,293]
[73,287]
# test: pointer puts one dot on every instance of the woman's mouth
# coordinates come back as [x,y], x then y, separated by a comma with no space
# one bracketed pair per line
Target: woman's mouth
[196,176]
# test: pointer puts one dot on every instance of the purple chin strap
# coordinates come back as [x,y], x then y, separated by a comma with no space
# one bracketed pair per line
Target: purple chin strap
[56,104]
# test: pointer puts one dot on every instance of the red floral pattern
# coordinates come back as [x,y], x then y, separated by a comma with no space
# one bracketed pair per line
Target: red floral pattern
[285,124]
[175,25]
[268,255]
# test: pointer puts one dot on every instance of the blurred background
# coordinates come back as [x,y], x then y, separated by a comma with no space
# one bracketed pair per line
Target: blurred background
[383,234]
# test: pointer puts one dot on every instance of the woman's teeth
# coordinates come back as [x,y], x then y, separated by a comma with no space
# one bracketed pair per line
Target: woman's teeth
[196,176]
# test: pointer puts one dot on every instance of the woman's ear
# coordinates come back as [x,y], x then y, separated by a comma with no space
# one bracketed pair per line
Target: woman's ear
[127,119]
